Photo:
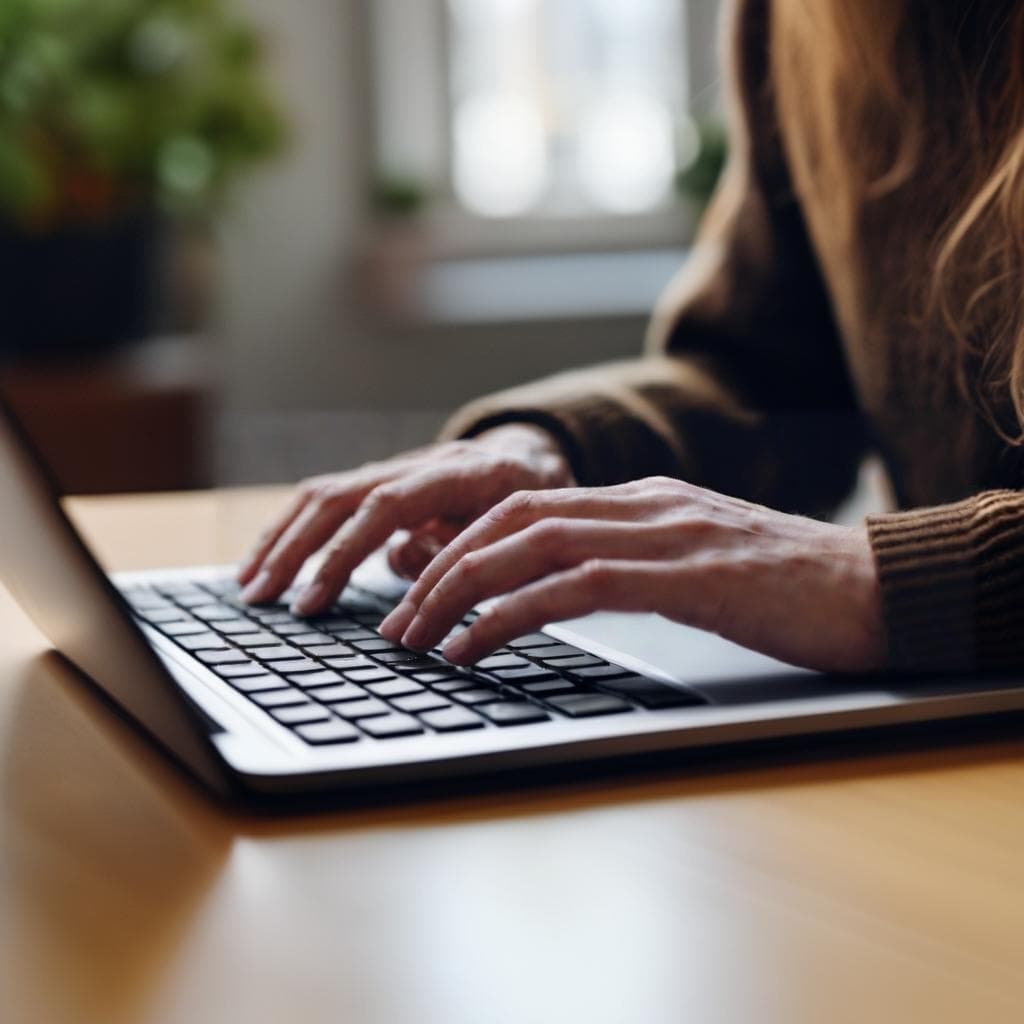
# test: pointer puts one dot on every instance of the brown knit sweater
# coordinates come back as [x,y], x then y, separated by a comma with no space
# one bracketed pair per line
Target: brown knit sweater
[775,363]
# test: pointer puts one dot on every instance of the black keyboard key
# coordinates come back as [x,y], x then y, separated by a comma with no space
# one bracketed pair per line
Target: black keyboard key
[287,629]
[389,726]
[310,639]
[278,698]
[275,617]
[501,661]
[201,642]
[527,674]
[507,712]
[333,623]
[184,628]
[299,714]
[435,676]
[258,684]
[595,673]
[369,675]
[339,692]
[550,686]
[350,633]
[400,657]
[415,703]
[322,678]
[453,685]
[424,663]
[650,693]
[567,664]
[352,664]
[369,617]
[332,731]
[558,650]
[238,671]
[330,651]
[532,640]
[452,720]
[478,695]
[225,657]
[394,687]
[281,652]
[368,707]
[587,705]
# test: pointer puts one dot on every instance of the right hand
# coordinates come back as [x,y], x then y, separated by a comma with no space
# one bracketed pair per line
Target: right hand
[433,493]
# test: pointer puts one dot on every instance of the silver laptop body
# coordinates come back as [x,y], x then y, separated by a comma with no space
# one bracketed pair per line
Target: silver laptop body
[236,747]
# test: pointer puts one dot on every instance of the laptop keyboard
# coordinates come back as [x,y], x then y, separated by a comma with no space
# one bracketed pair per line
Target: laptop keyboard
[334,679]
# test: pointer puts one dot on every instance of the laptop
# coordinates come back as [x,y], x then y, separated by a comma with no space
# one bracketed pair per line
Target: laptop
[259,705]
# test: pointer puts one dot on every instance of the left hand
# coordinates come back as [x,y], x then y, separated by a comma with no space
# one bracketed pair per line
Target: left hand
[797,589]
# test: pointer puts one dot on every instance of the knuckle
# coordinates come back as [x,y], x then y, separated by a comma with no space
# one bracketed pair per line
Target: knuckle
[381,502]
[596,574]
[550,534]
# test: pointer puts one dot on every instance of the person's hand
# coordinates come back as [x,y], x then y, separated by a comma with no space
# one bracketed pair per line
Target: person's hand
[433,493]
[797,589]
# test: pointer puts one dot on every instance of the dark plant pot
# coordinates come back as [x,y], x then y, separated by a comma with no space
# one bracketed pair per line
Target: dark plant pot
[79,289]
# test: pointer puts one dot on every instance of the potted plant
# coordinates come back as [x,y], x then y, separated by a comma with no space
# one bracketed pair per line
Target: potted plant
[117,118]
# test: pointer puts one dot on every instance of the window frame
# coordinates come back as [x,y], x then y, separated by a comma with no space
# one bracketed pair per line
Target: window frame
[408,47]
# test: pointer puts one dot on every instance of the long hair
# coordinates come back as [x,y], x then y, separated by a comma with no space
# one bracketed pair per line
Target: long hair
[872,84]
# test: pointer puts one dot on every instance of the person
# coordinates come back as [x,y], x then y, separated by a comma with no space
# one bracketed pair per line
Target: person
[857,285]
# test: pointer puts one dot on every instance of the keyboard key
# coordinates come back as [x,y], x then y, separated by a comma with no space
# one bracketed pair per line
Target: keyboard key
[330,651]
[238,671]
[330,694]
[594,673]
[414,703]
[550,686]
[587,705]
[351,664]
[368,707]
[424,663]
[299,665]
[273,616]
[191,598]
[191,628]
[350,632]
[369,675]
[556,651]
[532,640]
[453,685]
[310,639]
[322,678]
[221,586]
[333,731]
[234,627]
[279,653]
[567,664]
[300,713]
[527,674]
[394,688]
[401,657]
[257,684]
[502,661]
[389,726]
[201,642]
[507,712]
[278,698]
[452,720]
[256,640]
[158,616]
[650,693]
[375,645]
[288,628]
[214,612]
[439,676]
[224,657]
[371,618]
[478,695]
[332,624]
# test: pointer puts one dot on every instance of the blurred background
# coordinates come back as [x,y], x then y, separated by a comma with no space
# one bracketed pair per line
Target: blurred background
[245,240]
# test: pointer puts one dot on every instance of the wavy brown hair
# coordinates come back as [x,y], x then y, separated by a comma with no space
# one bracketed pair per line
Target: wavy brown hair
[876,83]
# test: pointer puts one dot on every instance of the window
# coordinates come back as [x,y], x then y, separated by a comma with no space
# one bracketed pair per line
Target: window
[543,123]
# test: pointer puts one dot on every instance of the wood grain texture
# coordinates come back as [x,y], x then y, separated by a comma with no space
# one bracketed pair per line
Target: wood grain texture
[881,886]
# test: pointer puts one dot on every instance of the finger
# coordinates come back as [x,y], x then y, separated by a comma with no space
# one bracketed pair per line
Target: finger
[267,540]
[409,503]
[412,554]
[552,545]
[597,585]
[515,513]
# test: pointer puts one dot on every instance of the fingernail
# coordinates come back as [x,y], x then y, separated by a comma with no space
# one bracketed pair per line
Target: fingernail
[416,633]
[259,589]
[310,599]
[398,621]
[455,650]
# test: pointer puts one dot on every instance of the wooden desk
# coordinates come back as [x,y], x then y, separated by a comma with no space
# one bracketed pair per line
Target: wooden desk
[869,888]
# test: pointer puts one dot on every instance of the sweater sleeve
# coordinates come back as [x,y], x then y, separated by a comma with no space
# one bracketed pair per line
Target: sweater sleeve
[743,387]
[951,579]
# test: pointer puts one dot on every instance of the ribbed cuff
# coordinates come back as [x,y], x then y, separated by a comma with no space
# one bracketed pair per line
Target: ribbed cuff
[928,577]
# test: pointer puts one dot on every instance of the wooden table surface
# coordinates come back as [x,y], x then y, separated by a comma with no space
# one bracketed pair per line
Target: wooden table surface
[878,886]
